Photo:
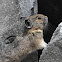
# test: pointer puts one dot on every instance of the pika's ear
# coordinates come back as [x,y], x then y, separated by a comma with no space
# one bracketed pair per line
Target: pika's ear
[45,21]
[28,24]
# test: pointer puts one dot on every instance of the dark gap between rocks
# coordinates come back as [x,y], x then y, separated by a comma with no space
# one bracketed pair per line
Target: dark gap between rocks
[52,9]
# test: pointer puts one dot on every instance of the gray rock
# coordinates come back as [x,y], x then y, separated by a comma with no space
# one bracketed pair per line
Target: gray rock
[53,52]
[12,15]
[28,7]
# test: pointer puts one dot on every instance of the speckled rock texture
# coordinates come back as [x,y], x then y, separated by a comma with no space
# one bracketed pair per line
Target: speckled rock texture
[53,52]
[12,15]
[28,7]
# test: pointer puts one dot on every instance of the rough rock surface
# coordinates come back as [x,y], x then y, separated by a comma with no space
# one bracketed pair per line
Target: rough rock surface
[12,14]
[53,52]
[28,7]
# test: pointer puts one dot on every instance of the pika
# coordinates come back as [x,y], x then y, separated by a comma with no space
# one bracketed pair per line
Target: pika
[30,40]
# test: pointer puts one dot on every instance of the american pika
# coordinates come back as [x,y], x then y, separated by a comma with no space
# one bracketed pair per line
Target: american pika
[34,26]
[30,40]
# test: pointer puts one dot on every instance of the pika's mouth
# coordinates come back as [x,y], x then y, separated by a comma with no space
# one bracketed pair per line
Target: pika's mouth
[38,30]
[35,30]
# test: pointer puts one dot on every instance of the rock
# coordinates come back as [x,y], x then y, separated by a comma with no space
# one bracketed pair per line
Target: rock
[53,52]
[12,15]
[28,7]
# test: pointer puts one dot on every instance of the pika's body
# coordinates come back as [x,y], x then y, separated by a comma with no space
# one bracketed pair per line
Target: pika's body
[30,40]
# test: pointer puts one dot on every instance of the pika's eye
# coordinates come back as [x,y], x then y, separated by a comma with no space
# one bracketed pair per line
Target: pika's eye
[9,39]
[39,18]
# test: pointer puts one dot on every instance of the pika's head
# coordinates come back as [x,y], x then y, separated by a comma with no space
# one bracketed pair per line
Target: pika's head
[36,21]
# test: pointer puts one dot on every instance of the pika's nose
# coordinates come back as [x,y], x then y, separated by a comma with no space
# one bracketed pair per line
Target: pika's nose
[28,24]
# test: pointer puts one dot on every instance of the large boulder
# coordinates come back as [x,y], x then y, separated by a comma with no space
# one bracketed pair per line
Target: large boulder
[53,52]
